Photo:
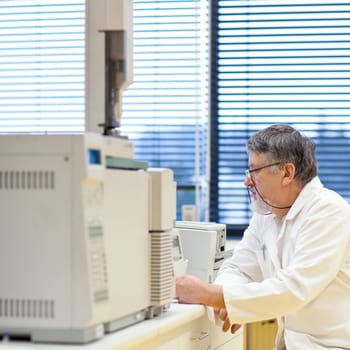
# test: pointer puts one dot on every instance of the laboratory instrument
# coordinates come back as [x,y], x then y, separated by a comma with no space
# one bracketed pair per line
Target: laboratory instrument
[204,246]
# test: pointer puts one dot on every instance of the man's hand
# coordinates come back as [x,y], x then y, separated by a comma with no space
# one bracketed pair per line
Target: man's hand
[222,314]
[192,290]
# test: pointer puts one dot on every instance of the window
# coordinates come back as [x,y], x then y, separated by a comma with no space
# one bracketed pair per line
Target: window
[277,62]
[165,109]
[271,62]
[42,66]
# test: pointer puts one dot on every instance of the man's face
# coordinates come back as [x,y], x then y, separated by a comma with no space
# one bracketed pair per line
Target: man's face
[263,183]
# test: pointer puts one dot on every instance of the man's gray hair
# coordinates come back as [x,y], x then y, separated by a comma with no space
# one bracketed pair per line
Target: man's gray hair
[282,143]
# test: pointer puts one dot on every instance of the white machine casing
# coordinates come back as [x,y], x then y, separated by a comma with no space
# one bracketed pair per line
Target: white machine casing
[162,204]
[106,15]
[204,246]
[75,244]
[162,214]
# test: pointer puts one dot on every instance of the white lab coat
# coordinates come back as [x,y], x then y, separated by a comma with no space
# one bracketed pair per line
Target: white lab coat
[296,270]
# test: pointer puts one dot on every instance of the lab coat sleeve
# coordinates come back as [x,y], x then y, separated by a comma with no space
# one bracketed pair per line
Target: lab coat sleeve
[243,266]
[321,248]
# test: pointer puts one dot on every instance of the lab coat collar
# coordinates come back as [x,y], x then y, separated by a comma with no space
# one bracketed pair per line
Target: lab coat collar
[314,186]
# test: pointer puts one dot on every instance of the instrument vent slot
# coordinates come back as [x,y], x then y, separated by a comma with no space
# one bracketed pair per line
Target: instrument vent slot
[162,271]
[27,308]
[27,180]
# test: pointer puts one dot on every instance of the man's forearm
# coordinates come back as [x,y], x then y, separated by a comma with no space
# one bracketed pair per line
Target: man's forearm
[192,290]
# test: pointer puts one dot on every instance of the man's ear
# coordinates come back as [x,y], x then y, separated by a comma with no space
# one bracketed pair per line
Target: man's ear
[289,173]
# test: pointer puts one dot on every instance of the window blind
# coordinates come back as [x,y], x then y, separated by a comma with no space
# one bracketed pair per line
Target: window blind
[278,62]
[164,110]
[42,66]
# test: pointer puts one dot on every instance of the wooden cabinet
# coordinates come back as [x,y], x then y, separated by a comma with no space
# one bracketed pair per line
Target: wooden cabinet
[261,335]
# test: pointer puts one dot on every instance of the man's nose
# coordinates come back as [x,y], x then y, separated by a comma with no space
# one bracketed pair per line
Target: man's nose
[248,182]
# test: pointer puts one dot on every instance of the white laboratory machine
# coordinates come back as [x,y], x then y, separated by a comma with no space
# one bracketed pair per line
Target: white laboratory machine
[86,231]
[204,246]
[79,255]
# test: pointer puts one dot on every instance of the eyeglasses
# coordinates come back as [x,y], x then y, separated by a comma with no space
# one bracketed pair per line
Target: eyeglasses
[248,172]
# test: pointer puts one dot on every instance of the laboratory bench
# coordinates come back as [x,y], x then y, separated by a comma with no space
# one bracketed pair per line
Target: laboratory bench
[181,327]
